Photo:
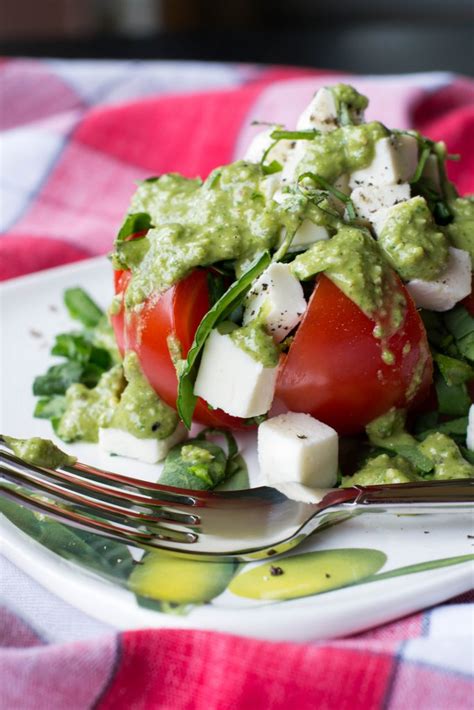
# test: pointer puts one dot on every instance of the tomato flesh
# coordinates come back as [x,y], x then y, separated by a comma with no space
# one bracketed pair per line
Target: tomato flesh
[334,369]
[176,313]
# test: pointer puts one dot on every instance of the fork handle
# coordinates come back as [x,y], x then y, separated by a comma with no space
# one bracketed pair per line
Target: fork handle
[432,495]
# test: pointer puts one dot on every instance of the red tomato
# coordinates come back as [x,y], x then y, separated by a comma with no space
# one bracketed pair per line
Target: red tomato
[177,312]
[334,370]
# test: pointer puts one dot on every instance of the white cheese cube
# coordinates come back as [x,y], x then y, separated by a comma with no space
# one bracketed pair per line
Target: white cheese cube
[451,286]
[298,454]
[470,429]
[281,297]
[261,142]
[394,162]
[122,443]
[321,112]
[308,233]
[368,201]
[230,379]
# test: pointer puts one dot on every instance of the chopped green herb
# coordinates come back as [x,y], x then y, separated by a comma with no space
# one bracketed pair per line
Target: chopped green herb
[134,223]
[232,298]
[81,307]
[325,185]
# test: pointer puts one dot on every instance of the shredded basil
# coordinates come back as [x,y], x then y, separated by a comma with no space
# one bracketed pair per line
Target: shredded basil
[220,311]
[280,134]
[323,184]
[134,223]
[81,307]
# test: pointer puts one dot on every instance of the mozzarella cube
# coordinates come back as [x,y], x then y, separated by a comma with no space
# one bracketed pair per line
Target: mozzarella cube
[451,286]
[470,429]
[261,142]
[321,112]
[122,443]
[368,201]
[298,454]
[308,233]
[230,379]
[394,162]
[281,297]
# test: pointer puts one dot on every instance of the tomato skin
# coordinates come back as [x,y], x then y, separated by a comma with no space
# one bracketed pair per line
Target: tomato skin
[334,370]
[177,312]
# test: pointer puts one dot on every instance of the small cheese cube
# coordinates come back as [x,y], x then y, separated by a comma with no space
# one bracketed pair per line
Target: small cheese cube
[230,379]
[394,162]
[281,297]
[261,142]
[122,443]
[451,286]
[368,201]
[308,233]
[321,112]
[470,429]
[298,454]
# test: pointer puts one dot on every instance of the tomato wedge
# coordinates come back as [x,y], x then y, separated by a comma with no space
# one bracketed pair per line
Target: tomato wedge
[177,313]
[334,370]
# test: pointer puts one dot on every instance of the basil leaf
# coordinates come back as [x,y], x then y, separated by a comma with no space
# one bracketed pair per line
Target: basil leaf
[414,456]
[425,154]
[58,378]
[454,371]
[220,311]
[282,134]
[459,322]
[201,473]
[467,454]
[215,286]
[322,183]
[271,168]
[453,400]
[50,407]
[81,307]
[134,223]
[73,346]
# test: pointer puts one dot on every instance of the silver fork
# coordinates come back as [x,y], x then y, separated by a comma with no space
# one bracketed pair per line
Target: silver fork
[245,525]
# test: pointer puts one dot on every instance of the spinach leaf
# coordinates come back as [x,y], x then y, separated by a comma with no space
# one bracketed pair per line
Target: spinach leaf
[81,307]
[232,298]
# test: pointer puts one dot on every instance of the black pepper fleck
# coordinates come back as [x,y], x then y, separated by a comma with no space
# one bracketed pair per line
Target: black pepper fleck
[155,426]
[276,571]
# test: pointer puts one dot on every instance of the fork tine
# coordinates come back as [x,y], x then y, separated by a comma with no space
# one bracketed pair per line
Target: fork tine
[133,518]
[76,484]
[159,495]
[113,531]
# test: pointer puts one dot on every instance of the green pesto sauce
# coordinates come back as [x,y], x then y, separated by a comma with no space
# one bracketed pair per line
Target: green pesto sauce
[343,150]
[448,460]
[226,217]
[256,342]
[140,411]
[40,452]
[382,469]
[352,260]
[89,409]
[412,243]
[346,94]
[461,231]
[388,431]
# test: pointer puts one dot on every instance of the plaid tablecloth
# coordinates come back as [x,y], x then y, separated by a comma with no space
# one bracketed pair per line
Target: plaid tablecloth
[75,138]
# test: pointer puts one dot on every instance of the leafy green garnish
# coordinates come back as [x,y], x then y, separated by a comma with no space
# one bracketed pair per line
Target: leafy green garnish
[280,134]
[50,407]
[200,464]
[76,346]
[454,400]
[424,155]
[454,371]
[220,311]
[323,184]
[133,224]
[271,168]
[58,378]
[81,307]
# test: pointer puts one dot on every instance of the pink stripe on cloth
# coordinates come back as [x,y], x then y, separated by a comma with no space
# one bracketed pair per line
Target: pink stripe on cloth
[56,677]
